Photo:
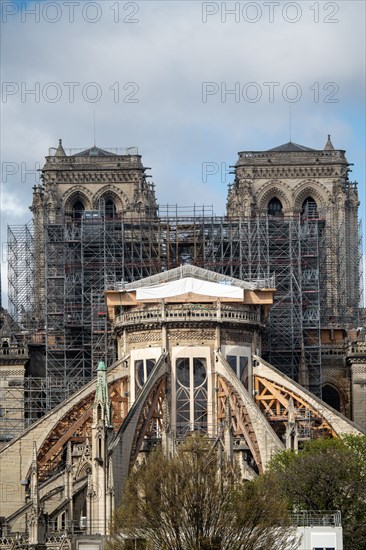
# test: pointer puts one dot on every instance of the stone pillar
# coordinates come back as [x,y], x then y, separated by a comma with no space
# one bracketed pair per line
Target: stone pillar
[358,377]
[90,496]
[228,435]
[69,486]
[110,495]
[167,436]
[101,435]
[36,524]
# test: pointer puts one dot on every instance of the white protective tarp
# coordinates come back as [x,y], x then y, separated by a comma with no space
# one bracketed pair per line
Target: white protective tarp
[186,285]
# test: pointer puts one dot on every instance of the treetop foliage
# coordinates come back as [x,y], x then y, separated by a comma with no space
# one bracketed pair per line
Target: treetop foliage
[196,500]
[328,474]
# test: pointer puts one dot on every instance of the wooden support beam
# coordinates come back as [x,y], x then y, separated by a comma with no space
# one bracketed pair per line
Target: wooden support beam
[59,444]
[281,396]
[240,420]
[144,422]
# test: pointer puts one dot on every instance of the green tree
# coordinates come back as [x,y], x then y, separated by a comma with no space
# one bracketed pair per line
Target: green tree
[328,474]
[197,501]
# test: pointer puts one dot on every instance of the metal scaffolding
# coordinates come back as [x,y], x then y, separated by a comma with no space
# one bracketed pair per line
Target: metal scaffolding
[84,256]
[21,280]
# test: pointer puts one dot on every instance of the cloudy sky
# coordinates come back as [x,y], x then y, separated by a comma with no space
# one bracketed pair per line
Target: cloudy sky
[187,82]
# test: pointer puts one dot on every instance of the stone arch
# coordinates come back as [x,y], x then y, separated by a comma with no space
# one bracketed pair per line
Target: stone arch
[271,190]
[337,384]
[241,421]
[275,207]
[84,469]
[113,193]
[332,396]
[312,189]
[80,193]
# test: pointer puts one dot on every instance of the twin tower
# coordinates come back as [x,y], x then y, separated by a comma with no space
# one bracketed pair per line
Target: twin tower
[291,216]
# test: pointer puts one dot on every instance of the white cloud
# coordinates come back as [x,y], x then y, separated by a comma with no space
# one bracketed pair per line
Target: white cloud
[10,204]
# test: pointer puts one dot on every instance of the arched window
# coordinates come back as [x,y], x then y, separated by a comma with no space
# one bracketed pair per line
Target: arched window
[309,208]
[77,210]
[109,209]
[191,375]
[239,364]
[63,521]
[143,369]
[332,397]
[275,207]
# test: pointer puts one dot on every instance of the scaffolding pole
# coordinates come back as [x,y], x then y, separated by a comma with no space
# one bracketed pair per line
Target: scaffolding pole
[21,280]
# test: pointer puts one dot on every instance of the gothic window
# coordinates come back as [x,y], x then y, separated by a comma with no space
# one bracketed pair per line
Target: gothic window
[331,396]
[309,208]
[239,364]
[77,210]
[191,390]
[143,369]
[63,521]
[275,207]
[110,209]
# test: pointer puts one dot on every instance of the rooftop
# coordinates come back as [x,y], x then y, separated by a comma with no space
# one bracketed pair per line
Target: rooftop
[291,147]
[189,270]
[94,151]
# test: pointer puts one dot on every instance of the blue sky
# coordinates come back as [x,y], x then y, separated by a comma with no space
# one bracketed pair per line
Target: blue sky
[149,62]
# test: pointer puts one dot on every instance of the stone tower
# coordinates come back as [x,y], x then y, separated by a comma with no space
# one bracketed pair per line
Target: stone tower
[113,183]
[308,211]
[296,181]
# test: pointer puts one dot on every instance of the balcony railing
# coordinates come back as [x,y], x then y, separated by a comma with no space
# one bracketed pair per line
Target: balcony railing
[13,351]
[316,518]
[171,314]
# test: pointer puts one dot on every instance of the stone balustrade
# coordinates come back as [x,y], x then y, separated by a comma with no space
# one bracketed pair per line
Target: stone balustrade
[357,348]
[171,314]
[13,351]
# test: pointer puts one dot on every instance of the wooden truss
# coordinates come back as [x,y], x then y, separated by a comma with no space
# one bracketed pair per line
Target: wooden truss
[76,426]
[241,423]
[274,400]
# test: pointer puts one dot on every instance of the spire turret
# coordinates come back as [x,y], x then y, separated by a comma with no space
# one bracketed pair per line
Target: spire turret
[102,404]
[329,145]
[60,151]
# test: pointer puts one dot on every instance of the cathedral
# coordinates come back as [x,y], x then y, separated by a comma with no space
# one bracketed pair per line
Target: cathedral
[133,326]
